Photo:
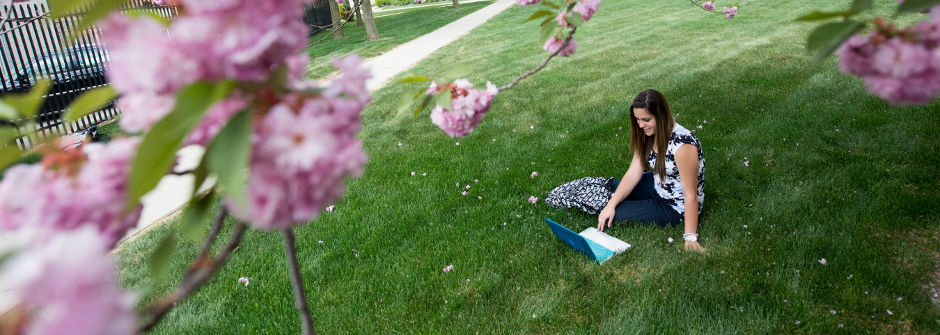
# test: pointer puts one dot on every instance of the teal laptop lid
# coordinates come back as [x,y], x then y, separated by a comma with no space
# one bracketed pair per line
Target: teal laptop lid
[593,250]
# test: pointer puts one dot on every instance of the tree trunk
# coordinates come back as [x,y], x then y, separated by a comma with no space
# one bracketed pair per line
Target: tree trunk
[456,4]
[337,22]
[371,31]
[358,16]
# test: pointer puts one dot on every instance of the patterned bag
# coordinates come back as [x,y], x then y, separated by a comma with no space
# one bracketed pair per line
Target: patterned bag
[589,194]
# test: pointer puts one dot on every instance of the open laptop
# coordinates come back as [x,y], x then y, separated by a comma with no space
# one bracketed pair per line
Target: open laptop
[595,244]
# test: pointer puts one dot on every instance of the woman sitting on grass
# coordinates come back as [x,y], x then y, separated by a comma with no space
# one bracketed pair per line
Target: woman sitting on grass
[673,190]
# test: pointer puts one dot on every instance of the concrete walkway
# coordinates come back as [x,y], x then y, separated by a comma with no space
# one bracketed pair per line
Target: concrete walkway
[172,193]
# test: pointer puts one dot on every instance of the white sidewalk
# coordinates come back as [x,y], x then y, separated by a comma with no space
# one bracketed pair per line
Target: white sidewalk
[172,193]
[404,56]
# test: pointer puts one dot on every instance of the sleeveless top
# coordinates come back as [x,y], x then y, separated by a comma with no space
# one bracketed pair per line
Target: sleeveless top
[671,189]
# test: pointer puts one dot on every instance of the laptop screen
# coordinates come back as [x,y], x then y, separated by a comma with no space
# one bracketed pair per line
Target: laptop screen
[571,238]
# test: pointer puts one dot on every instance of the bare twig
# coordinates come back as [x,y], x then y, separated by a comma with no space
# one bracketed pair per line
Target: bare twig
[358,3]
[540,67]
[297,283]
[203,255]
[159,308]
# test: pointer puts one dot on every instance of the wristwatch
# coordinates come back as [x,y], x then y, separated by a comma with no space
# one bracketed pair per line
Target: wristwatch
[690,237]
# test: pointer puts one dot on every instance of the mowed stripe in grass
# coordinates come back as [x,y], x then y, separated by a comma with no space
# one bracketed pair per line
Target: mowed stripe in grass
[833,173]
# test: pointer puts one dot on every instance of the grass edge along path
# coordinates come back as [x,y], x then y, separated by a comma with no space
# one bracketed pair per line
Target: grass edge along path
[395,29]
[833,174]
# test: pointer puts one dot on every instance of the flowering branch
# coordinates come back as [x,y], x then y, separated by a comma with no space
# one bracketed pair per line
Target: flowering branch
[540,67]
[348,17]
[202,273]
[297,282]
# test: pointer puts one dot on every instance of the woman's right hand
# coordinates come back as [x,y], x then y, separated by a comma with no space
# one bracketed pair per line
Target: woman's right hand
[606,217]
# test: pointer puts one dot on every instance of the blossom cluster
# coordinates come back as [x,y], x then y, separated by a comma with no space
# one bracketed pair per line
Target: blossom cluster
[585,8]
[303,148]
[71,189]
[64,284]
[303,139]
[238,39]
[468,105]
[901,66]
[710,6]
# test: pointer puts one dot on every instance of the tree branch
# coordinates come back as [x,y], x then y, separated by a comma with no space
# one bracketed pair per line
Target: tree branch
[696,4]
[203,255]
[540,67]
[298,284]
[359,3]
[159,308]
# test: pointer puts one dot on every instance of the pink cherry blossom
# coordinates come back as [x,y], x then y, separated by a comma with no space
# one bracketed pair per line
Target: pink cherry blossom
[533,199]
[731,11]
[140,111]
[329,208]
[527,2]
[669,239]
[534,174]
[708,5]
[747,163]
[67,282]
[243,280]
[586,8]
[448,268]
[215,118]
[468,105]
[900,59]
[822,261]
[89,192]
[412,173]
[463,193]
[554,43]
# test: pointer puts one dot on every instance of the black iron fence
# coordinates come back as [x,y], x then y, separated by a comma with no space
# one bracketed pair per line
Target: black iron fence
[34,45]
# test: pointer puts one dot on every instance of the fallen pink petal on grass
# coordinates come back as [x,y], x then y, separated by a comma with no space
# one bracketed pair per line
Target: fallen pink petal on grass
[534,173]
[533,199]
[243,280]
[329,208]
[448,268]
[822,261]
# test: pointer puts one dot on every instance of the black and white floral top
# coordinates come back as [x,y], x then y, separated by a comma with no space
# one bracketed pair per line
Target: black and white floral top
[671,188]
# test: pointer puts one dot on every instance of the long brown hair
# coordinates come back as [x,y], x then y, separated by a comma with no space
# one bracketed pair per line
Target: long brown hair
[655,103]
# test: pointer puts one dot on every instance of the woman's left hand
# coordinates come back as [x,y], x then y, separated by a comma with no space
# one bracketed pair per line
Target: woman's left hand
[694,246]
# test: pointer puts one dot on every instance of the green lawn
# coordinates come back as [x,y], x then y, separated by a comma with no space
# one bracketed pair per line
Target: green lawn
[395,27]
[834,173]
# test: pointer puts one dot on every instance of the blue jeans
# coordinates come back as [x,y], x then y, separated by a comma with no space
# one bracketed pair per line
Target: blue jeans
[644,205]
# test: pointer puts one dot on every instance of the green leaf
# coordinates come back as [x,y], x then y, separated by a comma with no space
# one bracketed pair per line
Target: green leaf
[228,155]
[826,38]
[862,5]
[547,20]
[455,72]
[149,14]
[28,103]
[817,15]
[99,10]
[162,257]
[157,151]
[8,155]
[195,217]
[443,99]
[8,112]
[60,8]
[408,98]
[414,79]
[540,13]
[547,32]
[575,19]
[550,4]
[913,6]
[424,102]
[89,102]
